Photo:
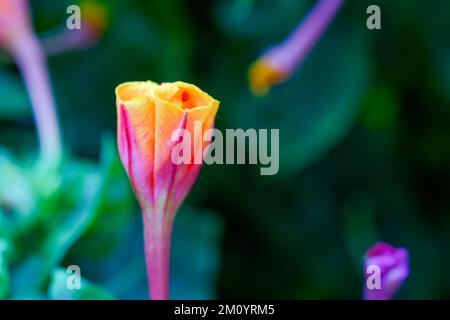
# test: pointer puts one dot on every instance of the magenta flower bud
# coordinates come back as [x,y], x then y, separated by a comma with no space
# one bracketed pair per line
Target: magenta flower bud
[385,270]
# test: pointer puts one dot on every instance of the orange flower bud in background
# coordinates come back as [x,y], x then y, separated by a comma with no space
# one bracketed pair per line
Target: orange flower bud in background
[94,22]
[148,115]
[94,17]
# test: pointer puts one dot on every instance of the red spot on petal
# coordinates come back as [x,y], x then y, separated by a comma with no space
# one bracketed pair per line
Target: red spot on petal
[184,96]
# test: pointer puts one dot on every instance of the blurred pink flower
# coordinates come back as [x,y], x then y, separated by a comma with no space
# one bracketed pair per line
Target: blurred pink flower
[14,21]
[393,266]
[148,114]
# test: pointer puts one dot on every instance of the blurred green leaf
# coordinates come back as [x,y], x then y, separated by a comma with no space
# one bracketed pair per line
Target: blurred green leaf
[380,109]
[78,198]
[64,233]
[58,289]
[115,206]
[16,190]
[14,101]
[256,19]
[4,273]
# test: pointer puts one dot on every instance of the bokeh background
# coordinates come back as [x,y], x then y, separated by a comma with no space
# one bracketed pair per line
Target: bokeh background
[364,155]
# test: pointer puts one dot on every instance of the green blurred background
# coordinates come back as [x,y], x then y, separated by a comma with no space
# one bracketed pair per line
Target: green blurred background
[364,155]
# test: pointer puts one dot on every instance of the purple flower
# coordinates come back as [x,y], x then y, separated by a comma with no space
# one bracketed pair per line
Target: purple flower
[385,270]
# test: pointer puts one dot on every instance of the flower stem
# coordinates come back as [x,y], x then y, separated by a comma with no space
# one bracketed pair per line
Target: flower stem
[31,60]
[300,42]
[157,236]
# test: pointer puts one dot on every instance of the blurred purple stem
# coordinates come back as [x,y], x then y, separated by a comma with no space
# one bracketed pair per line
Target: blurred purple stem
[299,43]
[32,64]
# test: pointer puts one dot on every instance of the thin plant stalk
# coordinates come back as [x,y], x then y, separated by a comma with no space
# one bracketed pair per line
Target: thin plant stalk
[31,60]
[157,238]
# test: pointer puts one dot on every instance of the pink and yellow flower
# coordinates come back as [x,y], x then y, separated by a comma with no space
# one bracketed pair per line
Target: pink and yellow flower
[148,114]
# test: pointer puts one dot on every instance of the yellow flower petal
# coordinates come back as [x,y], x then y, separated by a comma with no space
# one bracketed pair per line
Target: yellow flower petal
[135,127]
